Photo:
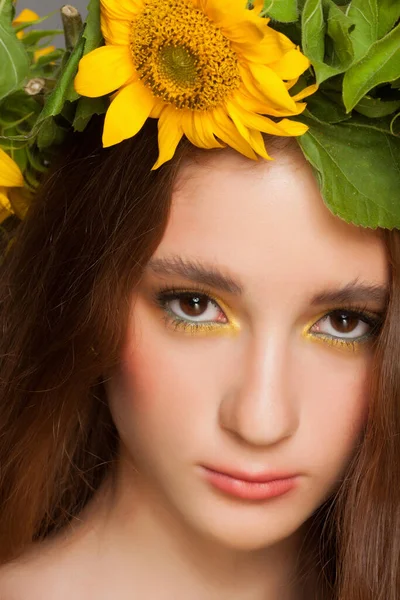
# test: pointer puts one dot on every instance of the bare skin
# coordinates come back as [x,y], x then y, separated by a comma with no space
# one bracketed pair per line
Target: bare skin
[259,395]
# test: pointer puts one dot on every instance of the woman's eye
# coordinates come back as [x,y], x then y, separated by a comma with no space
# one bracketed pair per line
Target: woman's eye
[347,325]
[194,307]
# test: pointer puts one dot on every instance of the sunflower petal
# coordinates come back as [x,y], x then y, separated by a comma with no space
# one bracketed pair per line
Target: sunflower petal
[226,13]
[311,89]
[121,9]
[291,65]
[127,113]
[272,86]
[4,201]
[189,128]
[242,117]
[10,173]
[252,104]
[244,33]
[202,131]
[245,133]
[256,141]
[272,48]
[104,70]
[169,135]
[226,131]
[5,206]
[115,31]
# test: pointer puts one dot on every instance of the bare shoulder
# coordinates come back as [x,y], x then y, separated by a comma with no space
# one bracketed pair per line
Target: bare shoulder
[48,572]
[33,578]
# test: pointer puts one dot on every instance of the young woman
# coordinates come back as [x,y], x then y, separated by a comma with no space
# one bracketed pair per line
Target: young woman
[199,382]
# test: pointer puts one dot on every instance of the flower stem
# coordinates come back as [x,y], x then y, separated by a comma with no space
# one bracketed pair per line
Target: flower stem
[72,24]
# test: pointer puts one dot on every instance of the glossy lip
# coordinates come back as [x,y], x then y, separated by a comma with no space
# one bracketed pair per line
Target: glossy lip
[250,486]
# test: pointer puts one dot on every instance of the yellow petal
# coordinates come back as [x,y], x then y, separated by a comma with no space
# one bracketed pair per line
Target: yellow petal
[241,117]
[104,70]
[25,16]
[248,102]
[198,128]
[228,13]
[20,200]
[226,131]
[115,31]
[291,65]
[42,52]
[272,86]
[243,33]
[255,141]
[127,113]
[4,201]
[169,134]
[189,128]
[5,205]
[272,48]
[311,89]
[121,9]
[10,173]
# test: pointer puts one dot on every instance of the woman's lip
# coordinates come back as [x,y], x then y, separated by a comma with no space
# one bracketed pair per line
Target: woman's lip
[252,487]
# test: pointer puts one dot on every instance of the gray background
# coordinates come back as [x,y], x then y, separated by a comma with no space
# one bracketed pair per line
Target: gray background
[44,7]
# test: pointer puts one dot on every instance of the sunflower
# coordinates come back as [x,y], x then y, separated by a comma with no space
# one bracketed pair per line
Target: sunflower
[10,177]
[207,69]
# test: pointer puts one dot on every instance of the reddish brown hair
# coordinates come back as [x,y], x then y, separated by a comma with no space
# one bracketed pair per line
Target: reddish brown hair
[64,301]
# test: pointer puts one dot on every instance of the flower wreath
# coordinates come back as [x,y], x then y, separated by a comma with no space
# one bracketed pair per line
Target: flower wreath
[220,72]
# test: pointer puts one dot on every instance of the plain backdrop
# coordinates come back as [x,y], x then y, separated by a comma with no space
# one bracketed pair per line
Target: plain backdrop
[44,7]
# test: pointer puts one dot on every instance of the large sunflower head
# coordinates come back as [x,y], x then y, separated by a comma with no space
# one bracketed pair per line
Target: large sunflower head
[211,70]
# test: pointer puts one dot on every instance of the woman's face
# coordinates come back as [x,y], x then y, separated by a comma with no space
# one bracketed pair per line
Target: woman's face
[242,355]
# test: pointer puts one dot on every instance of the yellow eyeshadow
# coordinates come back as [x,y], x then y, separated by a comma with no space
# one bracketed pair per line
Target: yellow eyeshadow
[231,328]
[337,343]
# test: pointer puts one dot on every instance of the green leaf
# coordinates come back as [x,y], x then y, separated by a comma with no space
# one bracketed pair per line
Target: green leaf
[395,125]
[388,15]
[7,11]
[92,32]
[26,24]
[50,134]
[62,91]
[327,107]
[358,170]
[339,27]
[313,30]
[14,60]
[285,11]
[326,36]
[35,36]
[87,107]
[364,14]
[375,108]
[50,57]
[381,64]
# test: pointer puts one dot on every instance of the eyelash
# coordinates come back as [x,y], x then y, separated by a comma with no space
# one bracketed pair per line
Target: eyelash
[167,294]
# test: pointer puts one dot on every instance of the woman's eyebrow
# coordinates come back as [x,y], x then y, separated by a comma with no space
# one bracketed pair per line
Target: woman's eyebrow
[353,292]
[210,275]
[197,272]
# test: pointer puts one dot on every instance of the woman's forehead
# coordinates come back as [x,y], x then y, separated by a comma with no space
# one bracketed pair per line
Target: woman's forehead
[267,220]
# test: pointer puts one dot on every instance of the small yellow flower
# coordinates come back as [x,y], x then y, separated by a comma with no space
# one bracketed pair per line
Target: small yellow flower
[26,16]
[43,52]
[10,177]
[207,69]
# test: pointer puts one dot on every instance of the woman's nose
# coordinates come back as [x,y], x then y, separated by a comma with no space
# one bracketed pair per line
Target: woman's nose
[261,406]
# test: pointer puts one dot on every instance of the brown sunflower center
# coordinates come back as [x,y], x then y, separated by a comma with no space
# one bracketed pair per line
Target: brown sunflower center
[182,56]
